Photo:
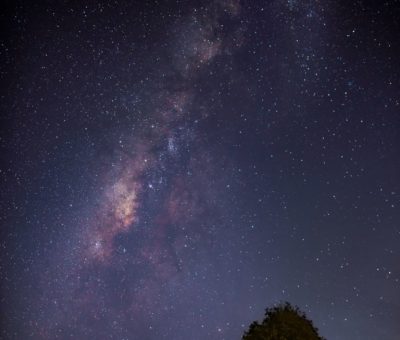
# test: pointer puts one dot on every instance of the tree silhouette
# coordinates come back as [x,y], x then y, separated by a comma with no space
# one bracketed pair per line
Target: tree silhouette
[283,322]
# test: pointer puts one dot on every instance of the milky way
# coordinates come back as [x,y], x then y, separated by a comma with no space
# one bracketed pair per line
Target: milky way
[171,169]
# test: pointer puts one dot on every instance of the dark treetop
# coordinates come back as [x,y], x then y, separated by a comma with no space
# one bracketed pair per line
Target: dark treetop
[283,322]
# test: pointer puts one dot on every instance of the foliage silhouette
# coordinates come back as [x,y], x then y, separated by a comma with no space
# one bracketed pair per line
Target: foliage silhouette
[283,322]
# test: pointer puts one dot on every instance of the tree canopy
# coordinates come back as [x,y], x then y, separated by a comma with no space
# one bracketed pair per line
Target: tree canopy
[283,322]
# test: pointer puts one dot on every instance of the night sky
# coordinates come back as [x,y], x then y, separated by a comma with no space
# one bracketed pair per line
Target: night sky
[169,169]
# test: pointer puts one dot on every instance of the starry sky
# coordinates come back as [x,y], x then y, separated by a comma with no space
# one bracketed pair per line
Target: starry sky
[169,169]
